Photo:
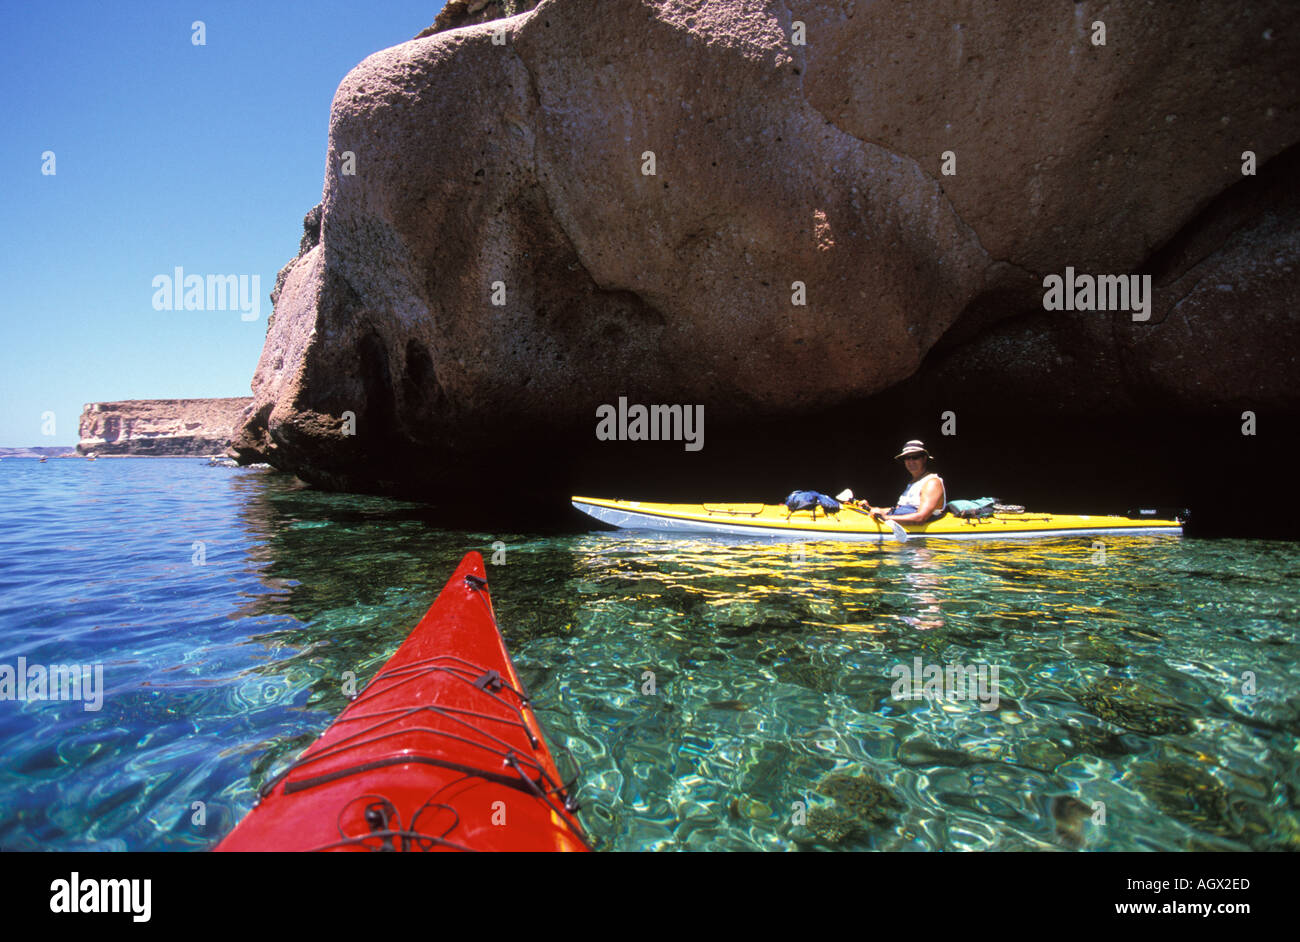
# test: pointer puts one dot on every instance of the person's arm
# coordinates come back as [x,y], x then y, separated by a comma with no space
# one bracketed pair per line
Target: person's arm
[877,511]
[931,494]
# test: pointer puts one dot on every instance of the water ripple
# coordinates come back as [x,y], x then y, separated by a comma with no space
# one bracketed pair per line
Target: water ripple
[712,694]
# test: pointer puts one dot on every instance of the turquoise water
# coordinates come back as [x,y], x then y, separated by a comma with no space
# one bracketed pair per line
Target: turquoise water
[1124,718]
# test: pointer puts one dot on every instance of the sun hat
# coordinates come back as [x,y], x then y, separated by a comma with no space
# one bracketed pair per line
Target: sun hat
[914,447]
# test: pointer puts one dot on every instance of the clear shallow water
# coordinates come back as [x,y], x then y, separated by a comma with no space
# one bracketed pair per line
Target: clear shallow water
[1118,683]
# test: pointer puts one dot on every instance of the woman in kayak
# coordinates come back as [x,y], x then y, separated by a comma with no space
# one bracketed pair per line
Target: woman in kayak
[925,497]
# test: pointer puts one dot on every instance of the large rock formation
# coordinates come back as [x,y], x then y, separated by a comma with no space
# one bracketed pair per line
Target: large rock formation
[518,172]
[161,427]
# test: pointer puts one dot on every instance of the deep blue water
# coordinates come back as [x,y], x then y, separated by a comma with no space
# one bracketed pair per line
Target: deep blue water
[1126,716]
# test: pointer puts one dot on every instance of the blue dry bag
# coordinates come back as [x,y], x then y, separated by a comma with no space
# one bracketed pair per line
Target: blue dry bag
[811,500]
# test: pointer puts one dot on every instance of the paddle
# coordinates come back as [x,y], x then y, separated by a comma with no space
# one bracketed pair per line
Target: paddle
[845,496]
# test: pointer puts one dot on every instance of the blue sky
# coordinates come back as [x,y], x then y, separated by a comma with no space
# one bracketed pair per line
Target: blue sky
[166,154]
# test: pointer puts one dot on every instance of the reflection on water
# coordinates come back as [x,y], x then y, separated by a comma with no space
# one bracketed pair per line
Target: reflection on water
[771,723]
[925,580]
[773,666]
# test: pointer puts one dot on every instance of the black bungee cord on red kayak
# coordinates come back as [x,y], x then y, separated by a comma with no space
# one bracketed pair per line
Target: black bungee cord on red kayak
[380,815]
[529,777]
[430,756]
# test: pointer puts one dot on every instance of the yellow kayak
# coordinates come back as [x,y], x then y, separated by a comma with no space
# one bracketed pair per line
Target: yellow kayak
[774,520]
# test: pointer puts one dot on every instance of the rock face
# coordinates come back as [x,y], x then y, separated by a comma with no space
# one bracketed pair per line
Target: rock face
[161,427]
[458,13]
[681,202]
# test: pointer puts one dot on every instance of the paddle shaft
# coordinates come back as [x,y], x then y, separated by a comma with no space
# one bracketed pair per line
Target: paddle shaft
[899,533]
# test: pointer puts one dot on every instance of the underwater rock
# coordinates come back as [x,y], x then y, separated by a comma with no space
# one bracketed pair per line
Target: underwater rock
[863,797]
[1093,648]
[835,826]
[1135,707]
[1095,741]
[1070,815]
[1199,800]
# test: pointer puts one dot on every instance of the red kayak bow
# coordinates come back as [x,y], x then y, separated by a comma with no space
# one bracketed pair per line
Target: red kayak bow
[440,752]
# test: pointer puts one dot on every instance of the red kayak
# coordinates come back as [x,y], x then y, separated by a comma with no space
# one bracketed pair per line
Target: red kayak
[440,752]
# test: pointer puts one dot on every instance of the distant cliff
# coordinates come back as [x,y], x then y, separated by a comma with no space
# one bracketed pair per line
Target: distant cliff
[159,427]
[35,451]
